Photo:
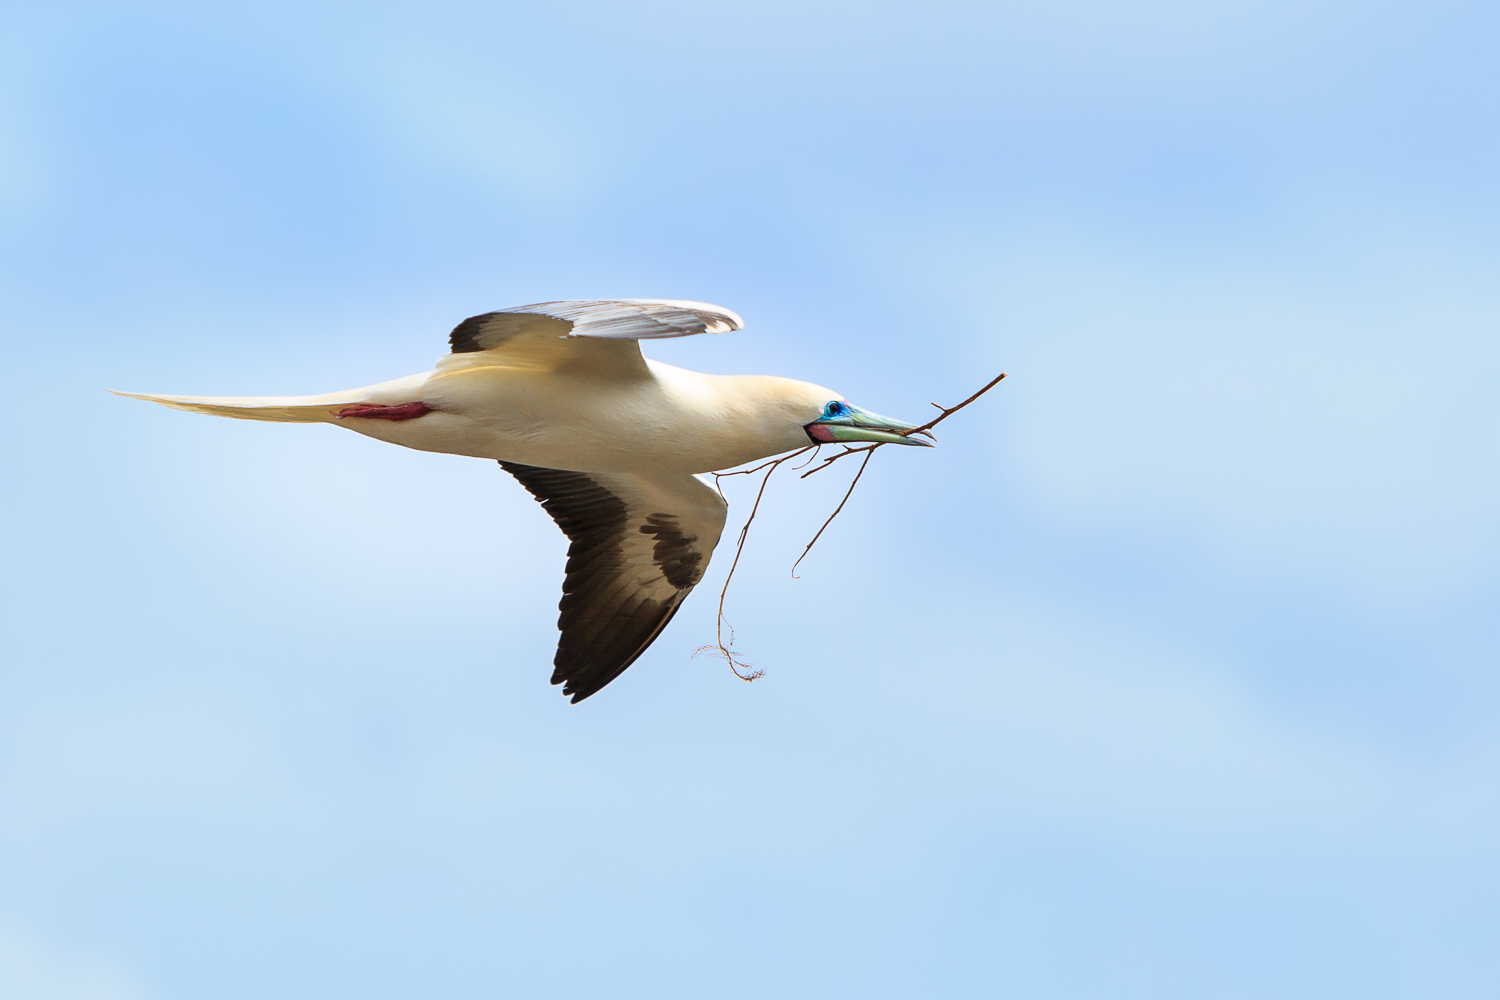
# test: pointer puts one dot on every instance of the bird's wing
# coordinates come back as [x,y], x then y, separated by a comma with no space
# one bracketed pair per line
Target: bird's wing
[606,319]
[639,546]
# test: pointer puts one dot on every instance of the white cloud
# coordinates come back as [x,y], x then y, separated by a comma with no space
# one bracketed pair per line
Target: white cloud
[1068,714]
[484,126]
[21,175]
[32,968]
[1341,431]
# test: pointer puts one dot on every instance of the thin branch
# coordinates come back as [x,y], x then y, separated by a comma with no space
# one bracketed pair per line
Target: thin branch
[948,411]
[810,459]
[770,462]
[869,450]
[925,429]
[773,463]
[741,668]
[847,494]
[843,454]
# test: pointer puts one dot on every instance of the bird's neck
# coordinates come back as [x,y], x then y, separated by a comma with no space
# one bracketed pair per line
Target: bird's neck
[746,417]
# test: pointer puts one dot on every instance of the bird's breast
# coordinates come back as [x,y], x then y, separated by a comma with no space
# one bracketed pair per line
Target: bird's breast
[579,423]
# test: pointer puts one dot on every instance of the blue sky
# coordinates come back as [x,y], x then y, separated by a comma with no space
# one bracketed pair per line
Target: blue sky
[1171,673]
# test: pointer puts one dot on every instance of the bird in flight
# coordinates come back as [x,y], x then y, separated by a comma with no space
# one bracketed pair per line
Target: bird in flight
[612,444]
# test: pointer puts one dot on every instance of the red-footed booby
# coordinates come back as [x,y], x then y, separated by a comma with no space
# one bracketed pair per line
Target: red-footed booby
[612,444]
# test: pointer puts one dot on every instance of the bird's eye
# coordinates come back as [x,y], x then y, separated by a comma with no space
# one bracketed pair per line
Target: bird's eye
[834,408]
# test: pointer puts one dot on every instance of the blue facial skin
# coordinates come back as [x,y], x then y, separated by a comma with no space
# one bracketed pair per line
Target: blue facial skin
[842,423]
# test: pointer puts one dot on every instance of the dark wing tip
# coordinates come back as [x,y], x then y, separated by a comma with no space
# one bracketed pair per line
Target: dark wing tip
[585,676]
[465,336]
[606,622]
[490,330]
[610,319]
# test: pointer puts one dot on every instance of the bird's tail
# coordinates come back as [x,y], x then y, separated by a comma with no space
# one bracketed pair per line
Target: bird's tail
[287,409]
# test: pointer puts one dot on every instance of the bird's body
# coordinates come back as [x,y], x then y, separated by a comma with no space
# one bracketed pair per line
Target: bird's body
[560,395]
[661,419]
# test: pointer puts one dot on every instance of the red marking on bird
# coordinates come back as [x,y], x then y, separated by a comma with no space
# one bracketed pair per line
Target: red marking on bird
[406,411]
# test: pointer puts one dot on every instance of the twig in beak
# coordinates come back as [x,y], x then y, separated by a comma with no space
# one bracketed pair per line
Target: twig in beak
[741,668]
[847,494]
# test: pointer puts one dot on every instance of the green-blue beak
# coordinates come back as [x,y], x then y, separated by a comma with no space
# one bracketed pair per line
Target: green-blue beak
[853,424]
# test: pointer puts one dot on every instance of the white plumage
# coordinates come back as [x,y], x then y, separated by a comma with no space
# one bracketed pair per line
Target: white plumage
[559,393]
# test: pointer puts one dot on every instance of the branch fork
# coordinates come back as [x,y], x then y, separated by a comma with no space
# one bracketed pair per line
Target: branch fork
[741,668]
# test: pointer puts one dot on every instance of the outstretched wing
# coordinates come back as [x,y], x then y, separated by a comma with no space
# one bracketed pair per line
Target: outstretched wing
[606,319]
[639,546]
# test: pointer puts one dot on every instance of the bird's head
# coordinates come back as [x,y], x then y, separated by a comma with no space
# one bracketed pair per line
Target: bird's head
[783,414]
[838,422]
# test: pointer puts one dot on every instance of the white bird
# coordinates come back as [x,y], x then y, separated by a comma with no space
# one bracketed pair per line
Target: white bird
[611,443]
